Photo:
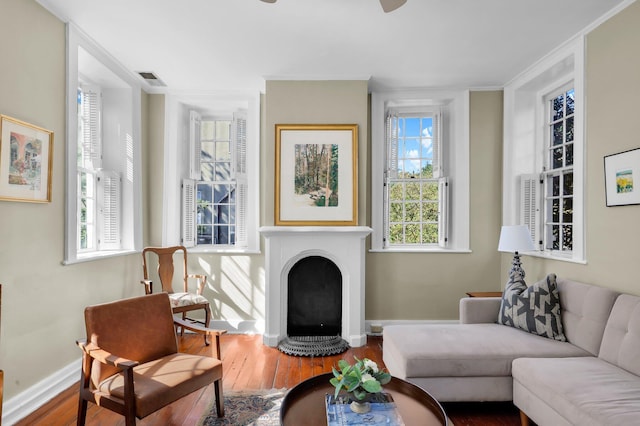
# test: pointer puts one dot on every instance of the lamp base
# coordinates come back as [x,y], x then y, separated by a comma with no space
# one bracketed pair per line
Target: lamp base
[516,266]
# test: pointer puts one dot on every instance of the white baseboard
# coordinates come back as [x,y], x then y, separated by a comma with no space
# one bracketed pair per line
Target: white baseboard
[28,401]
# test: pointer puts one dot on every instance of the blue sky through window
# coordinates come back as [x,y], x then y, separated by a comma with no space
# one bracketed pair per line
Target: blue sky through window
[415,143]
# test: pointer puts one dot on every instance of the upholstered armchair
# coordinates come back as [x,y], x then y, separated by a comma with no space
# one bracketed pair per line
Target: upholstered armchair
[130,359]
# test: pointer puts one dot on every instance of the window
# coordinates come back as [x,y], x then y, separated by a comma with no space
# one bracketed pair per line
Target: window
[558,173]
[212,172]
[103,154]
[420,171]
[220,184]
[415,194]
[543,154]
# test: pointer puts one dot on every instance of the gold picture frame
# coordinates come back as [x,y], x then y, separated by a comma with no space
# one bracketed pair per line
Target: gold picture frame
[26,161]
[316,176]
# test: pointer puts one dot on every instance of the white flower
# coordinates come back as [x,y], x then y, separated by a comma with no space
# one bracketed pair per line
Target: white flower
[371,365]
[366,377]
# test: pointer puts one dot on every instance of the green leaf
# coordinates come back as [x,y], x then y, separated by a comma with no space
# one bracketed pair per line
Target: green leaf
[383,378]
[359,394]
[343,365]
[350,383]
[372,386]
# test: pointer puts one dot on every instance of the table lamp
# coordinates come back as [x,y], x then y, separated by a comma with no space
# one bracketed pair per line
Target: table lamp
[514,239]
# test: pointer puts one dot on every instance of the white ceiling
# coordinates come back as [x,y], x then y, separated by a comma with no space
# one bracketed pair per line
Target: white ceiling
[238,44]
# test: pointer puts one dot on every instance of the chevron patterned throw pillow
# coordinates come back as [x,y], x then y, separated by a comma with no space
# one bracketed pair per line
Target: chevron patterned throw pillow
[535,309]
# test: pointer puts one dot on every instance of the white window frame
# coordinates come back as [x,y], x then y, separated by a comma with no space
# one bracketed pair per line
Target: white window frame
[525,146]
[454,106]
[121,162]
[180,166]
[236,178]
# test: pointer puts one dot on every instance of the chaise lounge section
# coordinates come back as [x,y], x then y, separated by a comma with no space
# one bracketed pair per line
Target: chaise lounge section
[590,377]
[598,390]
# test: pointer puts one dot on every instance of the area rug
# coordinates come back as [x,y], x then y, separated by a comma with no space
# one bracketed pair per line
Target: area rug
[248,408]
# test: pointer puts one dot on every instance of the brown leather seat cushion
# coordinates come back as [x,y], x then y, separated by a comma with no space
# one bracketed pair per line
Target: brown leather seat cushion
[180,373]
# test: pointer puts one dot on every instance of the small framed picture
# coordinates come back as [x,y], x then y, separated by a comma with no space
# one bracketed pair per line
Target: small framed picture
[316,174]
[622,178]
[26,160]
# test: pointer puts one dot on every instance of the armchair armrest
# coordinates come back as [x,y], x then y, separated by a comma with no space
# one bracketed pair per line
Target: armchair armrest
[148,286]
[476,310]
[198,328]
[202,280]
[202,330]
[105,357]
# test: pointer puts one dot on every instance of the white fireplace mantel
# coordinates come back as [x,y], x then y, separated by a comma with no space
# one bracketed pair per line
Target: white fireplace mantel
[343,245]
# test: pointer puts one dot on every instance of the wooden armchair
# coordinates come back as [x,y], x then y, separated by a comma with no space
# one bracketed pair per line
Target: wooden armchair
[183,301]
[130,359]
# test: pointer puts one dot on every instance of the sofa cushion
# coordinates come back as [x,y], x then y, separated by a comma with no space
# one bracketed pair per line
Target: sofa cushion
[535,309]
[585,390]
[621,340]
[458,350]
[585,312]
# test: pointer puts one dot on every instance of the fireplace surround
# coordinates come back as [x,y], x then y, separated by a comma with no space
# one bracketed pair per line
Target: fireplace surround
[287,245]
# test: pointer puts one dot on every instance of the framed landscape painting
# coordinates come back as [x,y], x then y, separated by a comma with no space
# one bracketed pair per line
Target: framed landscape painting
[316,174]
[26,159]
[622,178]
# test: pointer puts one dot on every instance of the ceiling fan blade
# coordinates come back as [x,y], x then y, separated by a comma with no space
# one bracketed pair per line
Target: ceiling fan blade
[269,1]
[389,5]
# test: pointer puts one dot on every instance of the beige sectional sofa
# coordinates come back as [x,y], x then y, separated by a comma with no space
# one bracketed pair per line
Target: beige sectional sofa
[592,378]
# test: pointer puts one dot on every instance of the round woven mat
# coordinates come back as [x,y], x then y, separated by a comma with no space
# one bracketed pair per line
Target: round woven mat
[313,345]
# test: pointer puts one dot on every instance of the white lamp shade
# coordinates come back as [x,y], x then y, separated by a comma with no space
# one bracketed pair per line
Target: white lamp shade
[515,239]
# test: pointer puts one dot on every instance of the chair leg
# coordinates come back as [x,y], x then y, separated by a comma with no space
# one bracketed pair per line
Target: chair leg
[207,319]
[217,385]
[524,419]
[82,411]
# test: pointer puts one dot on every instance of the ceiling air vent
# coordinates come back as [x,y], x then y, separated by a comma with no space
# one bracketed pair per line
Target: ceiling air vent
[151,78]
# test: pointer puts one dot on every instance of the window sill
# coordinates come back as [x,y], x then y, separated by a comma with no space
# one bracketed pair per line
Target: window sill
[420,250]
[222,250]
[550,256]
[97,255]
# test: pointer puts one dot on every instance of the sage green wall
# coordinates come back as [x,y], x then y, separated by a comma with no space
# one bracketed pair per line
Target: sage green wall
[42,300]
[154,168]
[613,125]
[419,286]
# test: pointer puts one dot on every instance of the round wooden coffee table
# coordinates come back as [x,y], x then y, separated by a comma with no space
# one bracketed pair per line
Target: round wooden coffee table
[304,404]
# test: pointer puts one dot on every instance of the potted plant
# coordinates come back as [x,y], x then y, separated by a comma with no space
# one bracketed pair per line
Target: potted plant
[360,381]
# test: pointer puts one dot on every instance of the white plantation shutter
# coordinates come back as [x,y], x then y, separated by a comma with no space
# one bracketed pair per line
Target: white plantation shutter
[109,209]
[391,167]
[530,198]
[188,213]
[438,170]
[241,213]
[239,135]
[91,127]
[194,145]
[392,145]
[443,216]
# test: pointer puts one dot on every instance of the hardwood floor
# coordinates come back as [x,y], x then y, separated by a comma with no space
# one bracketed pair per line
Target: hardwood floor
[250,365]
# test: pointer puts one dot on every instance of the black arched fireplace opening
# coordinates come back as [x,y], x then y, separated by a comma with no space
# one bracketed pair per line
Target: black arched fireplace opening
[314,298]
